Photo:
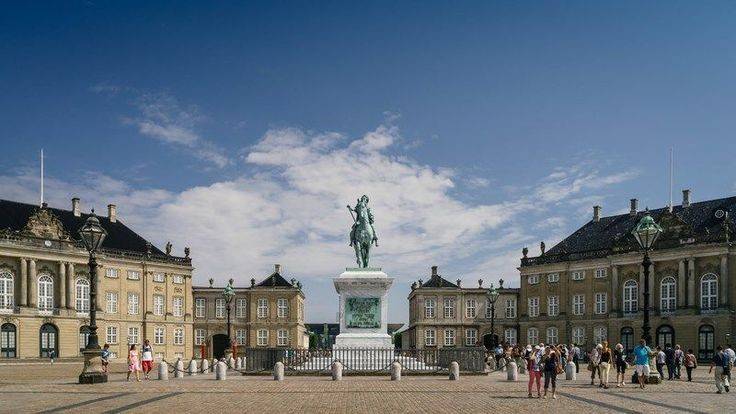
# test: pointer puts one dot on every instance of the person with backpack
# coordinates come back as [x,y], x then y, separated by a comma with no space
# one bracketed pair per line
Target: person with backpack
[722,365]
[619,358]
[552,367]
[669,360]
[679,358]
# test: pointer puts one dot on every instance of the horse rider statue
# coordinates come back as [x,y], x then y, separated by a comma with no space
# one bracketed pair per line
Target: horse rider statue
[362,234]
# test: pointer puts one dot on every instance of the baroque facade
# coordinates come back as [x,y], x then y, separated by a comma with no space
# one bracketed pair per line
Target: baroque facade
[143,293]
[445,314]
[589,287]
[268,314]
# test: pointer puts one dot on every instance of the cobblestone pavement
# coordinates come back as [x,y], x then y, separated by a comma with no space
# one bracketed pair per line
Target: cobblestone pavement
[47,389]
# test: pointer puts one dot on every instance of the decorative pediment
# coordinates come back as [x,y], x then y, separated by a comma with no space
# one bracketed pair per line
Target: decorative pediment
[44,224]
[674,227]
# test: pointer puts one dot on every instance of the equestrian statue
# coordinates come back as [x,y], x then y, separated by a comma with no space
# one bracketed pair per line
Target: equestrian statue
[363,234]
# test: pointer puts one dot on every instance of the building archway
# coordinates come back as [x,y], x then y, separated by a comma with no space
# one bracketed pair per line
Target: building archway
[665,336]
[8,341]
[48,341]
[219,345]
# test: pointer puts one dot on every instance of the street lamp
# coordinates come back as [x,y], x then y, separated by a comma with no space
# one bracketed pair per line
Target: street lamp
[646,233]
[228,294]
[93,234]
[493,297]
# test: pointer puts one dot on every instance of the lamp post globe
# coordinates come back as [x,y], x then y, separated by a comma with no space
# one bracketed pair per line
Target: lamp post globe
[646,233]
[93,235]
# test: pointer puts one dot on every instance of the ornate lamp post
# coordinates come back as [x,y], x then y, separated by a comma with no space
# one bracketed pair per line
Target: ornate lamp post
[228,294]
[93,234]
[493,297]
[646,233]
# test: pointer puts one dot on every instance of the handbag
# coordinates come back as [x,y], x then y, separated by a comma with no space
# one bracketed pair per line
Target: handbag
[604,365]
[559,369]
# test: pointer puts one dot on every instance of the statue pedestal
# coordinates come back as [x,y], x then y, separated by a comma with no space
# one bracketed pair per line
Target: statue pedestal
[363,308]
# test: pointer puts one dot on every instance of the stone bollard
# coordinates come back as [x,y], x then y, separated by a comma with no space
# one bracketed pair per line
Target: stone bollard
[570,373]
[396,371]
[205,366]
[502,364]
[192,367]
[337,371]
[237,363]
[179,373]
[214,364]
[220,371]
[278,371]
[242,362]
[491,364]
[454,371]
[231,363]
[521,366]
[512,374]
[163,371]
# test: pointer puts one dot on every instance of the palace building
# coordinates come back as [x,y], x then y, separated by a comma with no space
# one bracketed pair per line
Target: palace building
[589,287]
[143,293]
[444,314]
[269,314]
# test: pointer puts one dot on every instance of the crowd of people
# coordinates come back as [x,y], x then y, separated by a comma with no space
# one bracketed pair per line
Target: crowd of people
[137,363]
[548,361]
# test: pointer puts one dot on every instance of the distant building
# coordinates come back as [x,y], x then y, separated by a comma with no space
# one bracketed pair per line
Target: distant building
[268,314]
[589,287]
[445,314]
[143,293]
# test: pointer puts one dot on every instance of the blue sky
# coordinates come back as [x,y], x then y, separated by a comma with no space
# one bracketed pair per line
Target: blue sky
[477,128]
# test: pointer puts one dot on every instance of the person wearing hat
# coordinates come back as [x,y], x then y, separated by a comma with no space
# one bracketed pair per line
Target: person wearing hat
[534,366]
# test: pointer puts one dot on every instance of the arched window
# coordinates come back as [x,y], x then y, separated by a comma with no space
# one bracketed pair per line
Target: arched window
[706,342]
[82,290]
[600,334]
[631,296]
[532,336]
[6,289]
[7,341]
[668,295]
[665,336]
[709,291]
[553,337]
[45,293]
[627,338]
[578,335]
[49,341]
[84,332]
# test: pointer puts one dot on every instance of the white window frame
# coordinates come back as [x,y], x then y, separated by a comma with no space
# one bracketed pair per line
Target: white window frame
[553,277]
[177,279]
[111,303]
[111,272]
[601,273]
[133,303]
[449,337]
[509,335]
[262,312]
[577,275]
[199,336]
[533,279]
[532,336]
[178,336]
[709,291]
[134,275]
[220,308]
[430,337]
[282,337]
[600,334]
[631,297]
[668,294]
[200,307]
[177,306]
[601,303]
[282,308]
[578,304]
[133,335]
[159,305]
[241,307]
[159,335]
[429,306]
[7,290]
[159,277]
[578,335]
[111,334]
[81,295]
[471,337]
[241,336]
[533,306]
[553,335]
[470,308]
[510,308]
[45,293]
[262,337]
[448,308]
[553,305]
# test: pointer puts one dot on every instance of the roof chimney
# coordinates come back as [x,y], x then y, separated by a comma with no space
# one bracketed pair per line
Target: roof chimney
[277,268]
[75,207]
[459,282]
[634,206]
[686,197]
[434,270]
[112,213]
[596,213]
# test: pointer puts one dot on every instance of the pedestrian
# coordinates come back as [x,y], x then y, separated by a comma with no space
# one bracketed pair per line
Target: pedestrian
[660,361]
[551,366]
[133,363]
[146,359]
[105,357]
[679,358]
[721,363]
[669,353]
[690,364]
[575,357]
[619,356]
[52,355]
[605,364]
[499,353]
[534,366]
[594,360]
[729,352]
[641,360]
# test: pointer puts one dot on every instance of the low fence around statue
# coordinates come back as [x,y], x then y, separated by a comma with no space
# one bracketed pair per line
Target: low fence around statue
[364,360]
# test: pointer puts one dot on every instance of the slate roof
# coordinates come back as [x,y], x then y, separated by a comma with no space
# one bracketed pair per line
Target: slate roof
[437,281]
[14,216]
[696,223]
[275,280]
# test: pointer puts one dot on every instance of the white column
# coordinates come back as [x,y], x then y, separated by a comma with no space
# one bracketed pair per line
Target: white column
[23,280]
[723,283]
[62,285]
[681,283]
[691,283]
[32,284]
[70,289]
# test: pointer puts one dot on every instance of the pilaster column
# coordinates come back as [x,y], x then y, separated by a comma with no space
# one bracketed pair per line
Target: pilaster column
[62,285]
[23,280]
[681,284]
[691,282]
[723,285]
[70,286]
[32,283]
[614,289]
